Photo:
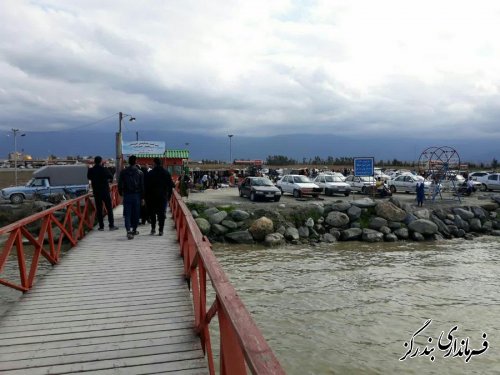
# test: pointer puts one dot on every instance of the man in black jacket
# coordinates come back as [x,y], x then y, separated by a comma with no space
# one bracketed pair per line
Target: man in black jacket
[131,188]
[159,187]
[100,178]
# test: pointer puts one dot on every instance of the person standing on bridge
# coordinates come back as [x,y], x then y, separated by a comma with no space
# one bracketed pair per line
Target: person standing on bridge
[159,187]
[131,188]
[100,178]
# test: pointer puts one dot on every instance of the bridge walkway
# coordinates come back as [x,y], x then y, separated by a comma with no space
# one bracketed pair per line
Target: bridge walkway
[113,306]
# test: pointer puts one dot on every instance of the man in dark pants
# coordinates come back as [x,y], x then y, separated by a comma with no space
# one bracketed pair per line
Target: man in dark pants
[100,178]
[159,187]
[131,188]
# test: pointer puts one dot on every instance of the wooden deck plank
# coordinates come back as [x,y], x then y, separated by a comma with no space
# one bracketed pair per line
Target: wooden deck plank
[112,306]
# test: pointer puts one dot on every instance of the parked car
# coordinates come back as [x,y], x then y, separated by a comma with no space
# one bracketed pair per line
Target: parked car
[259,188]
[476,175]
[377,172]
[490,182]
[362,184]
[332,184]
[406,183]
[336,174]
[298,185]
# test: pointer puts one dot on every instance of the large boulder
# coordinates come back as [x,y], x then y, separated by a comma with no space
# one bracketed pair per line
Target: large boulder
[364,203]
[479,212]
[329,238]
[217,217]
[390,211]
[423,226]
[402,233]
[340,206]
[464,214]
[475,225]
[210,211]
[370,235]
[292,234]
[377,222]
[219,230]
[337,219]
[442,227]
[423,213]
[274,239]
[243,237]
[490,206]
[261,227]
[203,224]
[354,213]
[303,232]
[390,237]
[351,234]
[239,215]
[229,224]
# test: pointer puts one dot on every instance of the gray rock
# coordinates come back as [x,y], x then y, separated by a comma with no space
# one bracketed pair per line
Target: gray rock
[442,227]
[217,217]
[437,237]
[394,225]
[364,203]
[389,211]
[239,215]
[450,217]
[261,227]
[351,234]
[319,228]
[229,224]
[475,225]
[195,214]
[469,236]
[384,230]
[496,198]
[390,237]
[370,235]
[479,212]
[487,226]
[242,236]
[329,238]
[321,220]
[335,233]
[409,219]
[422,214]
[219,229]
[274,239]
[281,230]
[461,223]
[303,232]
[316,208]
[292,234]
[313,234]
[377,222]
[464,214]
[204,225]
[337,219]
[355,224]
[210,211]
[354,213]
[441,213]
[310,222]
[453,230]
[402,233]
[396,201]
[423,226]
[490,206]
[495,232]
[417,236]
[340,206]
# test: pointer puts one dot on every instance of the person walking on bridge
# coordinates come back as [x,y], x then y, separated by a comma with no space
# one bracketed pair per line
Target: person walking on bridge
[131,188]
[159,186]
[100,178]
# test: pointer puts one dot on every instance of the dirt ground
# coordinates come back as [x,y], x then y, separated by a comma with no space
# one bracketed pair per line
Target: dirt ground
[7,176]
[230,196]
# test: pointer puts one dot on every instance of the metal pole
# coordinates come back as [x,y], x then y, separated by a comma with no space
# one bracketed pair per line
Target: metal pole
[230,149]
[15,155]
[118,146]
[137,136]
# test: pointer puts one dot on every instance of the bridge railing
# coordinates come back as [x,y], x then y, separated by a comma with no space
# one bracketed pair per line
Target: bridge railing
[46,232]
[242,345]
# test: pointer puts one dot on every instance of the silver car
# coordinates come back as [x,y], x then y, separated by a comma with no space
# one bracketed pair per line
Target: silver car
[406,183]
[298,185]
[362,184]
[332,184]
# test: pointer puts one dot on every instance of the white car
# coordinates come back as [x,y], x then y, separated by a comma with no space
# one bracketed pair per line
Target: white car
[298,185]
[406,183]
[362,184]
[490,182]
[377,172]
[332,184]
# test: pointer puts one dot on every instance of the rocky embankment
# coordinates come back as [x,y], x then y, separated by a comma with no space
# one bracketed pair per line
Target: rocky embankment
[362,220]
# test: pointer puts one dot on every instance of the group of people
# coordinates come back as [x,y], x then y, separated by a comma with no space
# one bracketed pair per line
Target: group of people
[150,189]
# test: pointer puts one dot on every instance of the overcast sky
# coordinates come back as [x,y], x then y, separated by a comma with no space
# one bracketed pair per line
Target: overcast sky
[254,67]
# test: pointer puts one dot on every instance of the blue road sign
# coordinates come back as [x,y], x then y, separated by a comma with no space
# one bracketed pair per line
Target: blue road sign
[363,167]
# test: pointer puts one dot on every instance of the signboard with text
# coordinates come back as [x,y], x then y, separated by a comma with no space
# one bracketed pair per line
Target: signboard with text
[143,147]
[363,167]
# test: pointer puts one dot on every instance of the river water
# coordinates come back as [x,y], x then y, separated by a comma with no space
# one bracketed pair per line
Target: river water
[349,308]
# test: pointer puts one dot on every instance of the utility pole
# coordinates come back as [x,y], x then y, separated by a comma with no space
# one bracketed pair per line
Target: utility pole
[230,149]
[15,131]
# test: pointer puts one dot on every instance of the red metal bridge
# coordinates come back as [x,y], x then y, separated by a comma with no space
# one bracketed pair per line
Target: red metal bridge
[113,306]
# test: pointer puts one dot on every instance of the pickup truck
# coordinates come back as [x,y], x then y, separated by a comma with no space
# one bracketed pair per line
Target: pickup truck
[49,180]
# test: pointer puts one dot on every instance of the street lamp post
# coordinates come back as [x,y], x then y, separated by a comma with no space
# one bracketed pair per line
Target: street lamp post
[15,131]
[119,155]
[230,149]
